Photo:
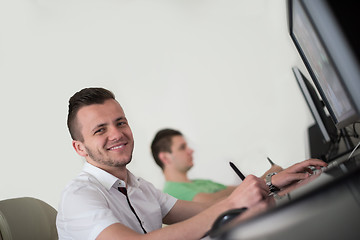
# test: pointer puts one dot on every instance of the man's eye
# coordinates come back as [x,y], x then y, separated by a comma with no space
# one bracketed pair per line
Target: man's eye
[121,123]
[99,131]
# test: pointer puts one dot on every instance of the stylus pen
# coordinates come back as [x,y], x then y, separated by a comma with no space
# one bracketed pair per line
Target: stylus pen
[271,162]
[237,171]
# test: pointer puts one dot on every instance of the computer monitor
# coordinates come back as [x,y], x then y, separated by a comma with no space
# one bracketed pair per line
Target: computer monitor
[325,34]
[316,106]
[323,136]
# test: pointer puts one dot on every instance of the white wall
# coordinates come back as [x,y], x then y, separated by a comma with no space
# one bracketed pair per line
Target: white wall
[220,71]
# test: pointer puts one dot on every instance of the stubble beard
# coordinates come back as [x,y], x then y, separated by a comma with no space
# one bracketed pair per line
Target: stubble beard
[101,159]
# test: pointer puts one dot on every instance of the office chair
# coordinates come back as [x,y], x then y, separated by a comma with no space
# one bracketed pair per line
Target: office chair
[27,219]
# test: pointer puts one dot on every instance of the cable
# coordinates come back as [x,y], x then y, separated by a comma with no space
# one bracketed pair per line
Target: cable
[354,150]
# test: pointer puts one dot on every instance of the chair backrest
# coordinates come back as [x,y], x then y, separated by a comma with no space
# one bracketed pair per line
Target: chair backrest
[27,219]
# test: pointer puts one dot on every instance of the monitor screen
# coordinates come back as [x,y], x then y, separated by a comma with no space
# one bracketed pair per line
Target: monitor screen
[328,56]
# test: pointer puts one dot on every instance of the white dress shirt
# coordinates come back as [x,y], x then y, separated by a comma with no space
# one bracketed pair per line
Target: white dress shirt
[92,202]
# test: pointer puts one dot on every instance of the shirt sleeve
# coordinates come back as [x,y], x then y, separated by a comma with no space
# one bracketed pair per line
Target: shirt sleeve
[84,217]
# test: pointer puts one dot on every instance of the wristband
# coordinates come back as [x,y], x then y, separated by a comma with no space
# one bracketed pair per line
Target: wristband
[271,187]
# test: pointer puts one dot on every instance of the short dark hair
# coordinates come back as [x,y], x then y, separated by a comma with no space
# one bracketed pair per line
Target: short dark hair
[162,143]
[84,97]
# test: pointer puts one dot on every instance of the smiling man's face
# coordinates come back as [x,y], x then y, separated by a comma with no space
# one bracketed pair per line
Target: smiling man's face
[108,141]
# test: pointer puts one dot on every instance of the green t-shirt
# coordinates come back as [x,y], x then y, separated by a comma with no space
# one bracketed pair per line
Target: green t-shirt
[187,191]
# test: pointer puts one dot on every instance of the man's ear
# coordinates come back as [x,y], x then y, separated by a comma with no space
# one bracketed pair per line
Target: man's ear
[165,157]
[79,148]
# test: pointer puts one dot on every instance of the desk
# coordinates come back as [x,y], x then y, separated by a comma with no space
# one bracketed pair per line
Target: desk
[328,207]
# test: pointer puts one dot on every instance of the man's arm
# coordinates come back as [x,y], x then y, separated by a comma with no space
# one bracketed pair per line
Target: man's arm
[211,198]
[191,228]
[183,210]
[250,192]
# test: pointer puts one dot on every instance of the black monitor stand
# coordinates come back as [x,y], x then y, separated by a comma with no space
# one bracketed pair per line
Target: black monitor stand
[328,151]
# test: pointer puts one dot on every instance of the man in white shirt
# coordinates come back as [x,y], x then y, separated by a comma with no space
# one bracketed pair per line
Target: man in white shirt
[107,202]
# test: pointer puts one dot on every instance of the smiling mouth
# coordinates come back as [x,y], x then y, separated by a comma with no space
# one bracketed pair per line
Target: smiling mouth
[117,147]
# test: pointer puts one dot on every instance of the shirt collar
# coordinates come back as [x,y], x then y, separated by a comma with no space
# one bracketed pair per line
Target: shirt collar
[108,180]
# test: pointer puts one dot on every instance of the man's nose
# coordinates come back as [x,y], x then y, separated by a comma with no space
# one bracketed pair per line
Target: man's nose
[190,150]
[115,134]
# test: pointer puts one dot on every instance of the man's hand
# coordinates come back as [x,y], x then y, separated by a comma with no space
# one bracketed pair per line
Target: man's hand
[296,172]
[250,192]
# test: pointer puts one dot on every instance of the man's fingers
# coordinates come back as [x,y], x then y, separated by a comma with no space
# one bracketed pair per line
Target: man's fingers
[297,177]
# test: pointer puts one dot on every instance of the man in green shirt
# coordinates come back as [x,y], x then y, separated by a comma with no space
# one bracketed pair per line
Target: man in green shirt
[171,152]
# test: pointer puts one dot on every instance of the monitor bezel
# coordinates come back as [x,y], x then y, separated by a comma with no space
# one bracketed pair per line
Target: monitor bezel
[316,106]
